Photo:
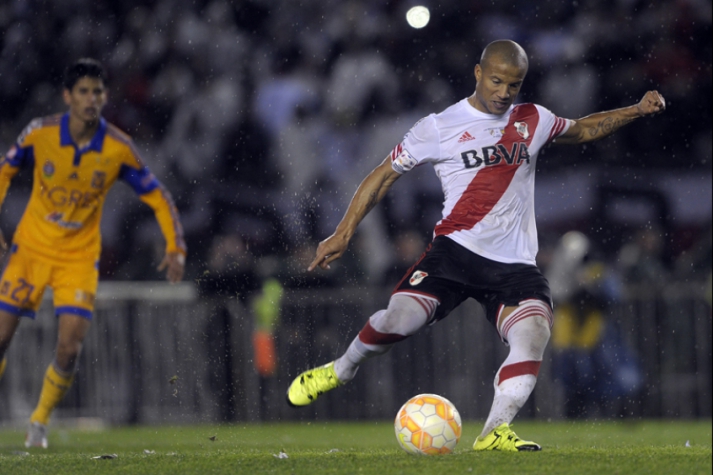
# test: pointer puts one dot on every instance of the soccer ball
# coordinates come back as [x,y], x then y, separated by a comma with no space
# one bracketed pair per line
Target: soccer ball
[428,424]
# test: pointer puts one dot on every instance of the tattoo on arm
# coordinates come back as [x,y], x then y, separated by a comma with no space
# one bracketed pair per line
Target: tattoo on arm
[607,126]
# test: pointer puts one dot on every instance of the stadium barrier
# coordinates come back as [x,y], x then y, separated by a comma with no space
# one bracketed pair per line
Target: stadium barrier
[160,354]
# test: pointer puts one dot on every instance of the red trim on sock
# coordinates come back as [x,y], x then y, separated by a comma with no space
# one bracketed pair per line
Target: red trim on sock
[422,304]
[372,337]
[530,308]
[519,369]
[428,305]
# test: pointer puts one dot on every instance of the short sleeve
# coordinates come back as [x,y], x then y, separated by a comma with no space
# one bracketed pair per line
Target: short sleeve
[17,156]
[421,144]
[135,173]
[552,125]
[27,134]
[140,179]
[23,151]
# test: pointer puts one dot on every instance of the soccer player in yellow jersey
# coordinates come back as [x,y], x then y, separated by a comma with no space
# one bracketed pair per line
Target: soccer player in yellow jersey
[76,157]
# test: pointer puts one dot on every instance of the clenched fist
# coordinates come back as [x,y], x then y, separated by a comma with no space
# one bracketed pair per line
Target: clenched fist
[651,103]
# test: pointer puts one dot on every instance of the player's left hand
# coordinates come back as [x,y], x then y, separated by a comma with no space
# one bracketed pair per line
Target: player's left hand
[651,103]
[175,264]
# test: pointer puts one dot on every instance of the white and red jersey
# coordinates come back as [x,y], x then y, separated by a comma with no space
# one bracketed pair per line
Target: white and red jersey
[486,164]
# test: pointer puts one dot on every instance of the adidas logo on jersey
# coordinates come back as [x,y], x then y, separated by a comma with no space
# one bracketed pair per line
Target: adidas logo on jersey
[465,137]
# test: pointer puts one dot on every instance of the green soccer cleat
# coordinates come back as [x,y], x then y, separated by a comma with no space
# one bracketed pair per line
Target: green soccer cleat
[504,439]
[36,435]
[311,384]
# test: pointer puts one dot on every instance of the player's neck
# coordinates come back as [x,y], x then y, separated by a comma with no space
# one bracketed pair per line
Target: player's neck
[82,131]
[473,101]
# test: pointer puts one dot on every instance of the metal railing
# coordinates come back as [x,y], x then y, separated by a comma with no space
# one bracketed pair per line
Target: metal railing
[161,354]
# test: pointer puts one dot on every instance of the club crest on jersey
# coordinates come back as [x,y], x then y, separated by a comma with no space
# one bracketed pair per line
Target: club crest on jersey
[521,128]
[48,169]
[98,179]
[417,277]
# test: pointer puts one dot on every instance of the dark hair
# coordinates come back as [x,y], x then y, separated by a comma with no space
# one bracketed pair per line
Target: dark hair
[85,67]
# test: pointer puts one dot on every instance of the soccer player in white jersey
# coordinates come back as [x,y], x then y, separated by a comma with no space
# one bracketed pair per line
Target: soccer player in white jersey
[484,150]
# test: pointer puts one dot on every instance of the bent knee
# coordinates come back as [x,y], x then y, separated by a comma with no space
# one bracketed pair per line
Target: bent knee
[541,326]
[389,321]
[535,326]
[67,354]
[402,317]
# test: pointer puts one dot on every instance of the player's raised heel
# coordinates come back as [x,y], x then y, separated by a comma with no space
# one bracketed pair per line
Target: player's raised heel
[36,435]
[311,384]
[504,439]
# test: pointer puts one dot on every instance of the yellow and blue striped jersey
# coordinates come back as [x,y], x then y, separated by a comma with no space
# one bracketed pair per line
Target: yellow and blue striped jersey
[70,184]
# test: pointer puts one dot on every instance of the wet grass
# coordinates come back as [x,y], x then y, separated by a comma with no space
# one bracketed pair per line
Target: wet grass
[646,447]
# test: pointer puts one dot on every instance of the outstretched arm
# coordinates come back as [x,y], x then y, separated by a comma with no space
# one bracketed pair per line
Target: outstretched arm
[369,193]
[599,125]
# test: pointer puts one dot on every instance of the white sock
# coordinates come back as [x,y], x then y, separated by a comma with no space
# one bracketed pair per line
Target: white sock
[516,378]
[404,316]
[510,396]
[347,365]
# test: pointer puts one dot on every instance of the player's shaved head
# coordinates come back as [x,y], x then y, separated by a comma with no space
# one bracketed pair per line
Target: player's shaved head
[499,76]
[505,52]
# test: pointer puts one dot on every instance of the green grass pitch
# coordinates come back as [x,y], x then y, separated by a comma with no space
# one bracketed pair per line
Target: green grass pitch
[631,447]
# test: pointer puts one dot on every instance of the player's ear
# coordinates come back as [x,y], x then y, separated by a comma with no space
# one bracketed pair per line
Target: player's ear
[478,72]
[67,96]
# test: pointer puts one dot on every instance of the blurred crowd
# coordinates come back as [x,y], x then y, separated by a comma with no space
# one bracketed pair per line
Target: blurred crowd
[262,116]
